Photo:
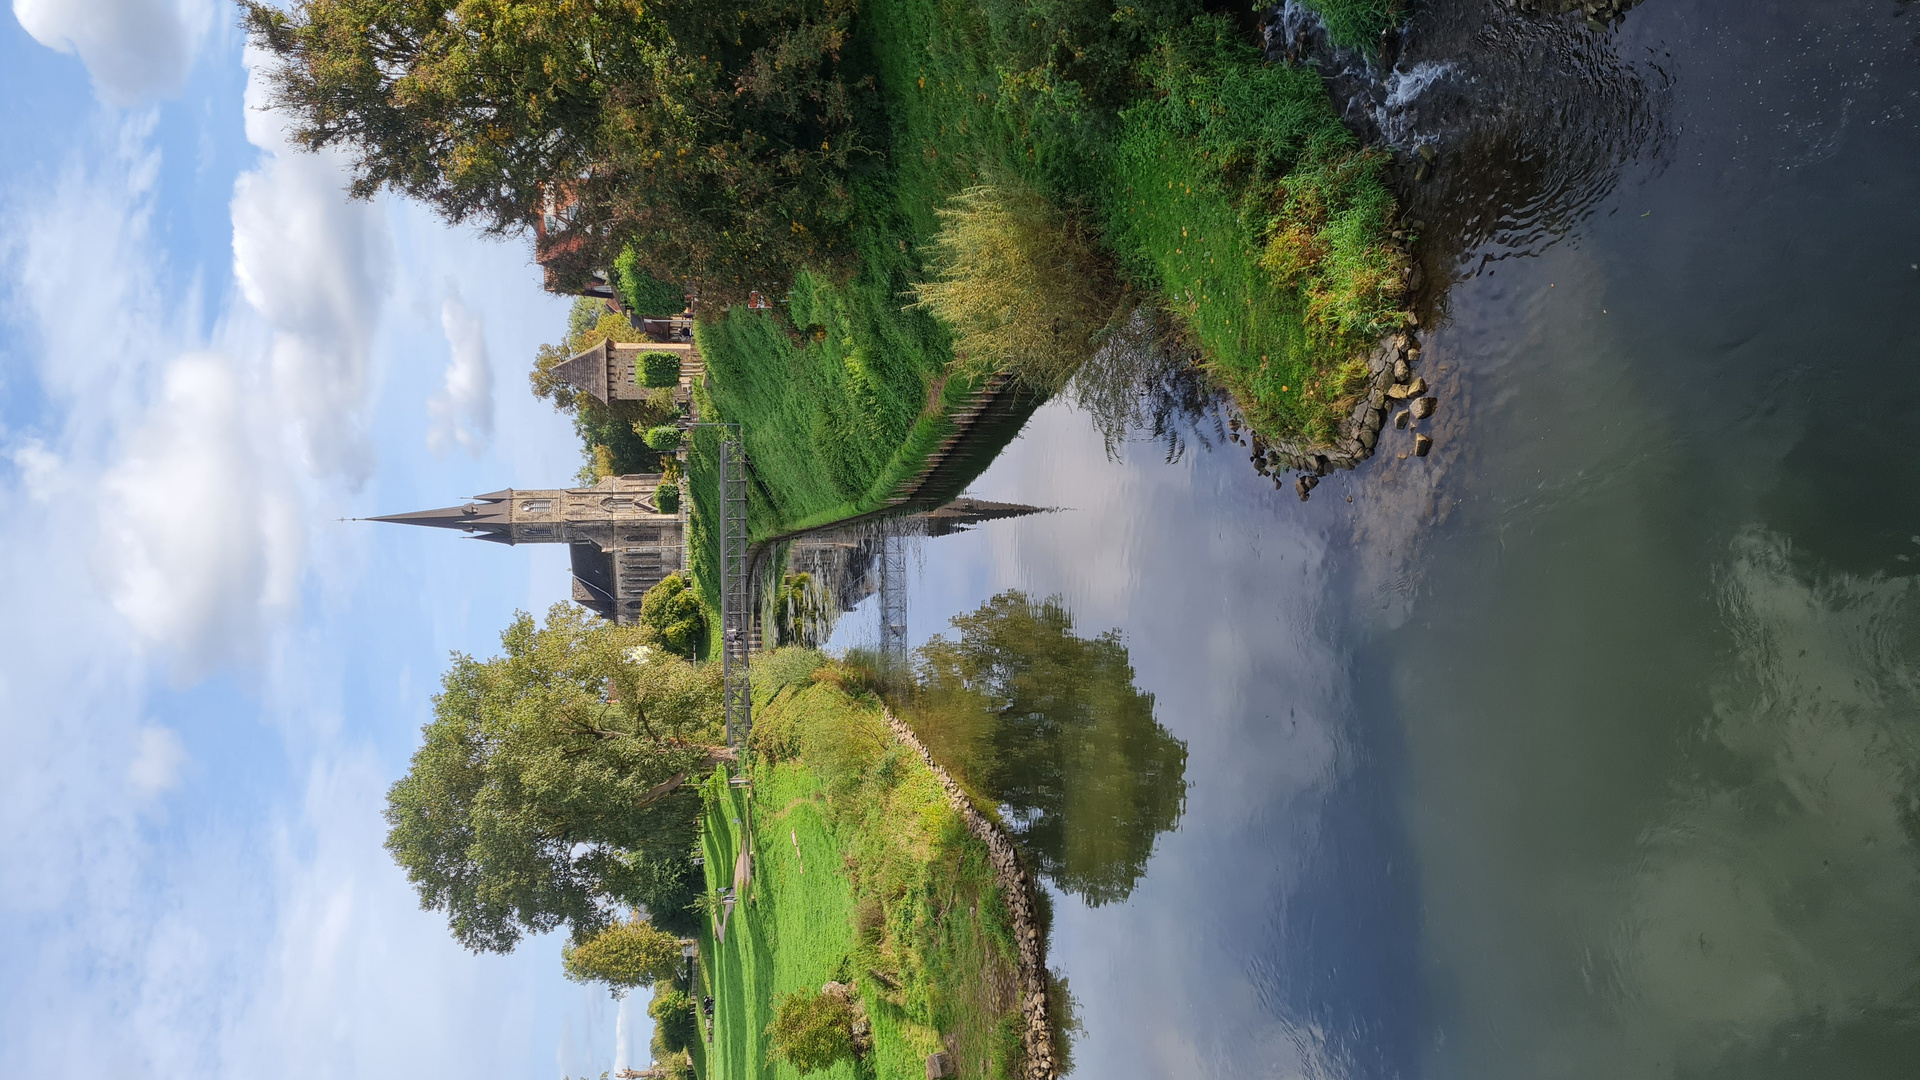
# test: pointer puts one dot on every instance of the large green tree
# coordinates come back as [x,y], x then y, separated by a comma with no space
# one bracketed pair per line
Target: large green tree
[1052,726]
[712,135]
[550,788]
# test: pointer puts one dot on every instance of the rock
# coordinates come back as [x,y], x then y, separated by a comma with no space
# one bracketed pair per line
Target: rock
[939,1065]
[1402,391]
[1413,355]
[1401,371]
[1423,407]
[1416,277]
[836,989]
[1421,444]
[1413,318]
[1368,436]
[1377,399]
[1402,342]
[1400,419]
[1305,484]
[1426,152]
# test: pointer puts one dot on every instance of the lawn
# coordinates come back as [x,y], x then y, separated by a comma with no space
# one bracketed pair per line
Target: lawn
[862,873]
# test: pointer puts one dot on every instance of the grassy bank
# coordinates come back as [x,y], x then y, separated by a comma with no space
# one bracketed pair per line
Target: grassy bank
[1221,187]
[862,873]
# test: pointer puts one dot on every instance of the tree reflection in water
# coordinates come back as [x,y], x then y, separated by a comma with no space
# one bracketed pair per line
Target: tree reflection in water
[1049,725]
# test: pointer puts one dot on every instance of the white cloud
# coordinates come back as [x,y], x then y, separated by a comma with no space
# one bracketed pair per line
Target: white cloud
[158,758]
[200,544]
[315,266]
[132,48]
[463,411]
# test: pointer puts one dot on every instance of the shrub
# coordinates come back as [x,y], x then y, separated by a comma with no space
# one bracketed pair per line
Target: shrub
[812,1030]
[1021,284]
[623,956]
[671,610]
[659,369]
[643,293]
[665,437]
[674,1027]
[666,498]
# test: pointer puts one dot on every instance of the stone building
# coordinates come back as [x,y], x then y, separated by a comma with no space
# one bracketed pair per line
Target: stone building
[606,371]
[619,543]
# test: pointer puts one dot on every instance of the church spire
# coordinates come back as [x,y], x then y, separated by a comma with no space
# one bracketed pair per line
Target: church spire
[484,517]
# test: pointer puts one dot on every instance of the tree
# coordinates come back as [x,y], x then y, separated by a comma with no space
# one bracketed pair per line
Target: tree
[812,1029]
[672,614]
[623,955]
[1052,726]
[674,1026]
[549,789]
[712,136]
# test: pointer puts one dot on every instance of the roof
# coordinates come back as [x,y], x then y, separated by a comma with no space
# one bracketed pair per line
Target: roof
[586,371]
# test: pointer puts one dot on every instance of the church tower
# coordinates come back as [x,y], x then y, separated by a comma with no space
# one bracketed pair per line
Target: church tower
[619,542]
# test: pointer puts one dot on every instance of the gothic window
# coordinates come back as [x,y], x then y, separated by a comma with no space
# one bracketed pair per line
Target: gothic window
[536,506]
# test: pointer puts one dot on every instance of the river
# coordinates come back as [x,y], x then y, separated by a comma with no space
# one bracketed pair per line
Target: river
[1588,746]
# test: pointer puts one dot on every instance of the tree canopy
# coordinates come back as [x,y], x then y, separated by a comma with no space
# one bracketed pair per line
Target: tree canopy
[1052,726]
[549,787]
[624,955]
[712,135]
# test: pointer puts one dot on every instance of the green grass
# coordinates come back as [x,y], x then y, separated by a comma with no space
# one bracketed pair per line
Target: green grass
[1358,24]
[885,878]
[1145,121]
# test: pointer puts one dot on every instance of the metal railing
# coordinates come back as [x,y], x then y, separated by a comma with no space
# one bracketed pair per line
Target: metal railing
[735,612]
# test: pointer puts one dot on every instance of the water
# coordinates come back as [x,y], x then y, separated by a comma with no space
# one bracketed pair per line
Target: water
[1590,745]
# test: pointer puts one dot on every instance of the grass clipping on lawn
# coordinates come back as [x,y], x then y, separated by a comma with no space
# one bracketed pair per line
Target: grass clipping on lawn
[1022,285]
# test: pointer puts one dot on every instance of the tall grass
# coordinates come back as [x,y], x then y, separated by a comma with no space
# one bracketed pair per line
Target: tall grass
[1023,285]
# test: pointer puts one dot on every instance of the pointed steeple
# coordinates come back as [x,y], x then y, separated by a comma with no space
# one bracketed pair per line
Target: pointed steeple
[473,517]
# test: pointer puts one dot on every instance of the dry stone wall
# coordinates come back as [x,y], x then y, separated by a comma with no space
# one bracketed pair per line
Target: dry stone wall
[1017,884]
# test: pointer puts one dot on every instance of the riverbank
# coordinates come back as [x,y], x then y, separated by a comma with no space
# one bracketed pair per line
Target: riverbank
[864,870]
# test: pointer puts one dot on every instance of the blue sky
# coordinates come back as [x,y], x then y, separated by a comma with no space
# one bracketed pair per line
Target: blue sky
[208,355]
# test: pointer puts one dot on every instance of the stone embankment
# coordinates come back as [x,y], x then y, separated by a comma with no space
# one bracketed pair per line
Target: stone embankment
[1392,389]
[1017,884]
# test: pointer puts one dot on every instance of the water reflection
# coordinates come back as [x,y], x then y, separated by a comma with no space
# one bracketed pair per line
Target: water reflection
[1050,726]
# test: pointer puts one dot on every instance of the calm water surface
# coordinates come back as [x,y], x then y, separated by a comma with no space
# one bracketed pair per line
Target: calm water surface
[1589,746]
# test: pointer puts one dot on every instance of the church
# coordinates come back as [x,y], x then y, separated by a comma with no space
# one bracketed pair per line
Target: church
[619,542]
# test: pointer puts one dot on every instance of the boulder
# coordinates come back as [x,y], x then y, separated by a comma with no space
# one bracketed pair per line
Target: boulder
[1421,444]
[1401,372]
[1423,407]
[940,1065]
[1400,419]
[1403,391]
[1305,485]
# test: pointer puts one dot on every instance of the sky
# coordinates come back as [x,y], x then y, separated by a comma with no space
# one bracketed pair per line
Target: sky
[208,356]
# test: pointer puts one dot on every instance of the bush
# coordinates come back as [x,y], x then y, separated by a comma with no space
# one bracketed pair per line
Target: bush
[658,369]
[674,1027]
[812,1030]
[671,610]
[643,293]
[666,498]
[623,956]
[1021,284]
[665,437]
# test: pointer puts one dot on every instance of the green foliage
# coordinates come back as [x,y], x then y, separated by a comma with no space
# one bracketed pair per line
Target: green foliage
[1266,227]
[1050,725]
[714,137]
[1022,285]
[672,617]
[549,786]
[663,437]
[643,293]
[812,1030]
[666,498]
[787,666]
[658,369]
[1358,24]
[674,1026]
[623,955]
